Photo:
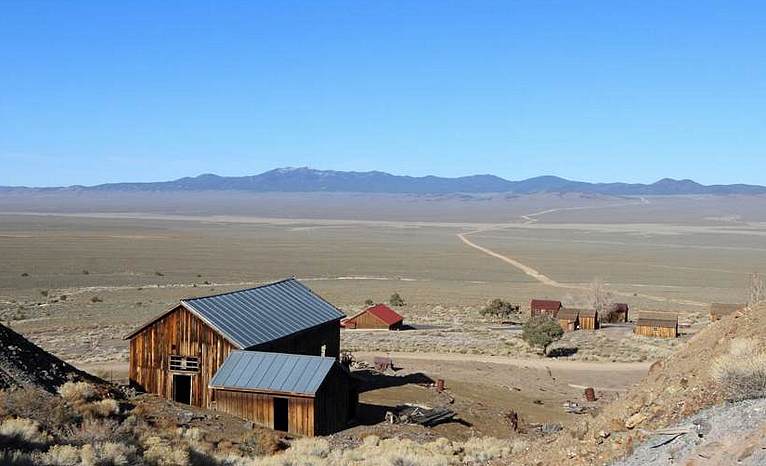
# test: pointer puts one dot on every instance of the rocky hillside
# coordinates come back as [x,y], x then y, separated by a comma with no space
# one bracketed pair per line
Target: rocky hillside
[674,390]
[24,364]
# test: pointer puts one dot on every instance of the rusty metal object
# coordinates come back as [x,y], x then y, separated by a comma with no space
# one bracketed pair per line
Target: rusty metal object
[590,394]
[439,385]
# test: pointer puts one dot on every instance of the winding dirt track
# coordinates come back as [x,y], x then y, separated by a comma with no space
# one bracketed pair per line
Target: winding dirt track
[546,280]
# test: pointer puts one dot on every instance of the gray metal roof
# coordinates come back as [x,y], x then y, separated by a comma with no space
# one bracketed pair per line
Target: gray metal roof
[272,372]
[259,315]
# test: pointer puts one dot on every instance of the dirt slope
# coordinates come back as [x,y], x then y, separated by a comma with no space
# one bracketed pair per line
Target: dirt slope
[674,389]
[22,363]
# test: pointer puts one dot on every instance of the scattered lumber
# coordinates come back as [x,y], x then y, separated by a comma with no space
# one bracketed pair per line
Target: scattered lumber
[422,415]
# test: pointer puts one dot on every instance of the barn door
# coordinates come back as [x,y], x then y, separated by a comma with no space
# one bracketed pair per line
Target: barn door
[281,414]
[182,389]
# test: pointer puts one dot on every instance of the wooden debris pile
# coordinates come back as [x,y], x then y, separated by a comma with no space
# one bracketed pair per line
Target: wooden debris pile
[422,415]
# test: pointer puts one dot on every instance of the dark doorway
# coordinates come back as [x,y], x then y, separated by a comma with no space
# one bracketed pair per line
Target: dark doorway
[182,389]
[280,414]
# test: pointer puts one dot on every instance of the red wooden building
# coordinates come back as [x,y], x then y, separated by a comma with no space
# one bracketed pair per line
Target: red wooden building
[545,307]
[378,316]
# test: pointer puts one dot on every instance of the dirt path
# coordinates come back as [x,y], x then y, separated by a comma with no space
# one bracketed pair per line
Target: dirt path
[519,362]
[546,280]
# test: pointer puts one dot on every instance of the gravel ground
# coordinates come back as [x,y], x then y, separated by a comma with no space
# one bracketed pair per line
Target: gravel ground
[732,433]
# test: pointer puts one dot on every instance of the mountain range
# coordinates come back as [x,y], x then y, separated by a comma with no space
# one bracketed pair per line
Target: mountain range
[310,180]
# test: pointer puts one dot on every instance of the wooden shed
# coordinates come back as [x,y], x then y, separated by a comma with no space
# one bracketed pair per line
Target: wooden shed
[656,324]
[305,395]
[176,354]
[379,316]
[544,307]
[589,319]
[568,319]
[617,312]
[718,310]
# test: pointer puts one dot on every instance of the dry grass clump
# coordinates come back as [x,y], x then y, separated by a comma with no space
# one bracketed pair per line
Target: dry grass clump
[161,452]
[77,392]
[19,433]
[741,373]
[384,452]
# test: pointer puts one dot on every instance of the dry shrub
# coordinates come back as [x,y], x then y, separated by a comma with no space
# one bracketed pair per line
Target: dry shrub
[160,452]
[741,373]
[23,434]
[100,409]
[259,443]
[62,455]
[77,392]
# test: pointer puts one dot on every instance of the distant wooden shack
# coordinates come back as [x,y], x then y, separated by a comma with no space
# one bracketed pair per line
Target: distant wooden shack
[719,310]
[656,324]
[544,307]
[568,319]
[617,312]
[589,319]
[306,395]
[379,316]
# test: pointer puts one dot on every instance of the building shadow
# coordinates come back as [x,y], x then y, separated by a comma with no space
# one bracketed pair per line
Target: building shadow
[369,380]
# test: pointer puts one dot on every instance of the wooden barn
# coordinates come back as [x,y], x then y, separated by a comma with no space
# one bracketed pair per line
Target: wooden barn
[617,312]
[544,307]
[656,324]
[718,310]
[379,316]
[177,354]
[306,395]
[568,319]
[589,319]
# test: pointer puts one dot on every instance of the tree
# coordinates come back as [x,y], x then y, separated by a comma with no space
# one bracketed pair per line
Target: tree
[396,300]
[600,297]
[499,309]
[541,331]
[368,302]
[756,290]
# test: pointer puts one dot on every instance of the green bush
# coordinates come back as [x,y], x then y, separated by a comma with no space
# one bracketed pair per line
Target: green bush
[368,302]
[541,331]
[396,300]
[499,309]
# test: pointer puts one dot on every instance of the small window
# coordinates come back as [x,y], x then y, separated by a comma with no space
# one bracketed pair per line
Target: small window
[323,350]
[184,364]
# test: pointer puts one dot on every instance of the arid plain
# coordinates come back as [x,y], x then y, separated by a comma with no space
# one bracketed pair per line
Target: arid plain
[79,271]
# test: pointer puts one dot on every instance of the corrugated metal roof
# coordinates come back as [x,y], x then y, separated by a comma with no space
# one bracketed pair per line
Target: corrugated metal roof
[385,313]
[591,313]
[660,323]
[724,309]
[259,315]
[658,315]
[272,372]
[545,305]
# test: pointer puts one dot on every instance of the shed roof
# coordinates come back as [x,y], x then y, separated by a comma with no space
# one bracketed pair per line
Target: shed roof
[384,313]
[618,307]
[545,305]
[657,319]
[725,309]
[592,313]
[568,314]
[262,314]
[272,372]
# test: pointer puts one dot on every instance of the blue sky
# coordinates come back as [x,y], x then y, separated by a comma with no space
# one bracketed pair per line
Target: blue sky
[94,92]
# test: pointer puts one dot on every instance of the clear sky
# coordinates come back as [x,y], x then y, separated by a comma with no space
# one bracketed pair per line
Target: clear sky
[102,91]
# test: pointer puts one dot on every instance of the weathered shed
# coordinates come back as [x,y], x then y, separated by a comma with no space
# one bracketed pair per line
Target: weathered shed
[568,319]
[617,312]
[718,310]
[656,324]
[589,319]
[306,395]
[544,307]
[176,354]
[379,316]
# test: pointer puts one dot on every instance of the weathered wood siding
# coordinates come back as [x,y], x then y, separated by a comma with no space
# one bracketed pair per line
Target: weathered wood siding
[568,325]
[177,333]
[259,408]
[335,402]
[368,320]
[589,323]
[308,342]
[654,331]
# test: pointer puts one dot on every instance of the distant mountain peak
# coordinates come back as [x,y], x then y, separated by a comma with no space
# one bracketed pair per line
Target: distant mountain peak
[306,179]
